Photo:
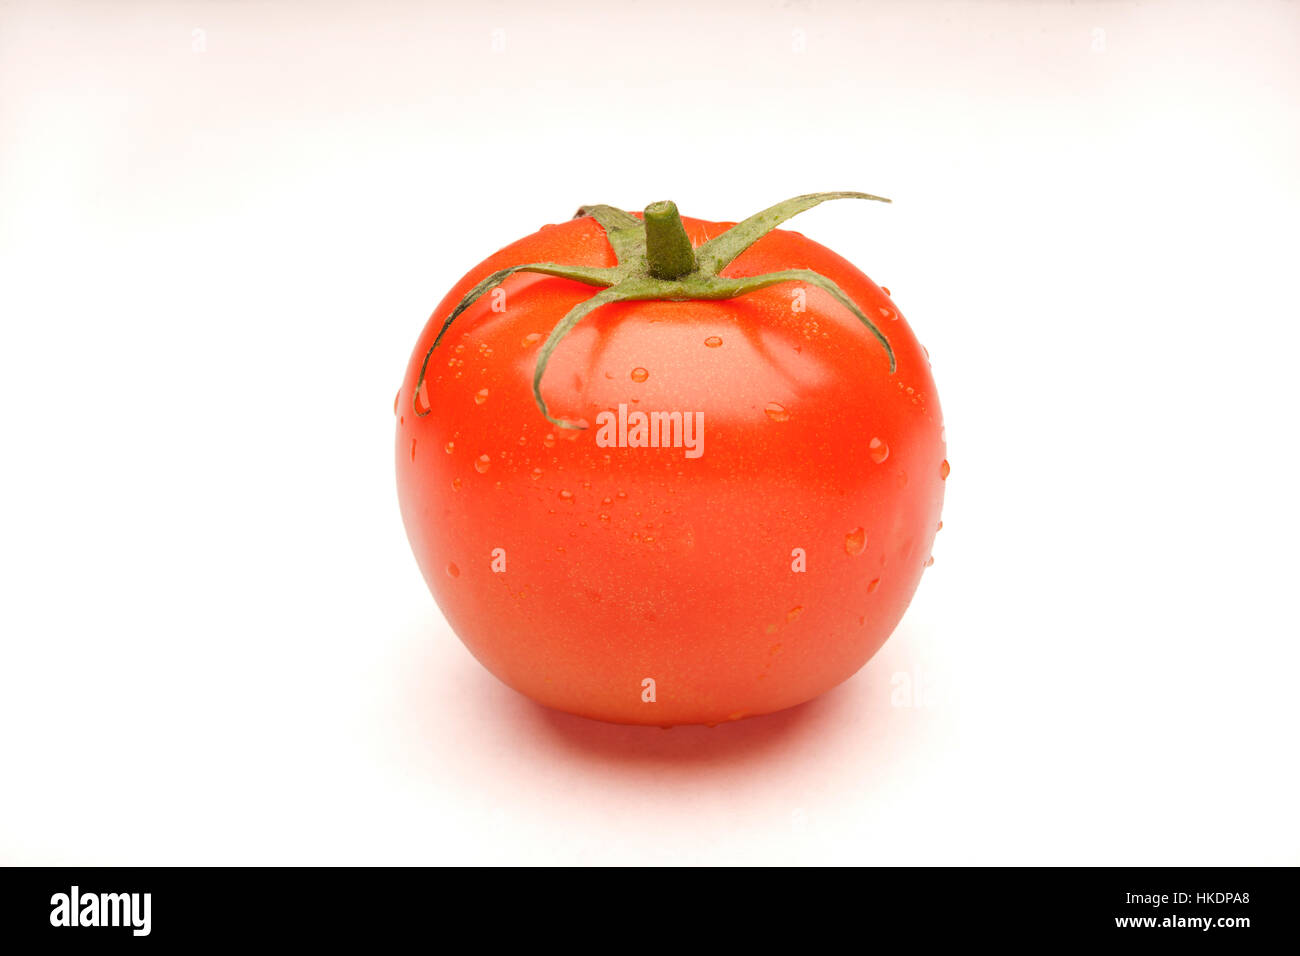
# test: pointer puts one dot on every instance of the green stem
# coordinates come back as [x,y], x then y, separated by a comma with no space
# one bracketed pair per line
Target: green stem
[656,262]
[668,252]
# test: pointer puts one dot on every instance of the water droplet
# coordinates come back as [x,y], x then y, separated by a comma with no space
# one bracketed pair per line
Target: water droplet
[456,484]
[885,289]
[929,561]
[535,473]
[566,497]
[452,570]
[395,398]
[606,501]
[482,464]
[902,479]
[940,528]
[944,470]
[480,396]
[776,411]
[549,440]
[459,349]
[855,542]
[532,338]
[873,585]
[604,517]
[422,401]
[451,447]
[713,341]
[412,449]
[639,375]
[622,495]
[878,449]
[793,614]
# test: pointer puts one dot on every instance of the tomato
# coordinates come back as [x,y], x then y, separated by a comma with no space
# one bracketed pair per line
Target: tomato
[751,566]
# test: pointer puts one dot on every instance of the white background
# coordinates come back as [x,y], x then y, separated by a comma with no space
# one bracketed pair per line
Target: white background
[217,249]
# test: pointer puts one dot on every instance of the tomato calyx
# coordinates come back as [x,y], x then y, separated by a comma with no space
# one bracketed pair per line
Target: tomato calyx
[656,261]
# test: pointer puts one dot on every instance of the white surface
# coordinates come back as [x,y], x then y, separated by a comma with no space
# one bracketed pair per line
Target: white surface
[217,250]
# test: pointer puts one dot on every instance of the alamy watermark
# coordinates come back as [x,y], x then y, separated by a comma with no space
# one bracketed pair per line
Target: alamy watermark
[638,429]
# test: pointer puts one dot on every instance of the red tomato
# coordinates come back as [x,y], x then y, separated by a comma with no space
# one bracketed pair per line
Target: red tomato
[642,584]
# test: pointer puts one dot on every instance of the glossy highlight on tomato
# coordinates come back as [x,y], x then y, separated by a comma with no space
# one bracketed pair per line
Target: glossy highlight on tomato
[640,584]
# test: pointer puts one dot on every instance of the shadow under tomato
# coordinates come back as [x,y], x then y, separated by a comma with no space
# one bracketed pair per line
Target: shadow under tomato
[472,722]
[731,743]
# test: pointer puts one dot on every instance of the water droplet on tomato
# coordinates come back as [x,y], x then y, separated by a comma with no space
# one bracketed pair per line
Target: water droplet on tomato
[940,528]
[566,496]
[482,464]
[929,561]
[776,411]
[421,400]
[412,449]
[603,517]
[549,440]
[885,289]
[395,398]
[902,479]
[451,447]
[855,542]
[639,374]
[945,470]
[532,338]
[452,570]
[536,473]
[713,341]
[878,450]
[480,396]
[793,614]
[873,585]
[456,484]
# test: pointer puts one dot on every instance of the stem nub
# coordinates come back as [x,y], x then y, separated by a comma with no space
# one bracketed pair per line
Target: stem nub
[668,252]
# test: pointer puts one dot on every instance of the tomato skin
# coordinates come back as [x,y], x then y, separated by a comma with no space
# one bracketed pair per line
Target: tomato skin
[623,564]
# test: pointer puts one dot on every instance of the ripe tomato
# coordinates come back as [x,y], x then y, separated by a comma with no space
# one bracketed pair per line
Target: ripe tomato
[647,585]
